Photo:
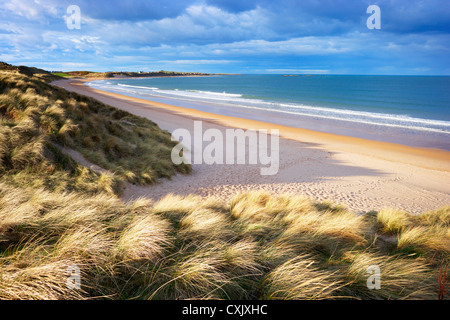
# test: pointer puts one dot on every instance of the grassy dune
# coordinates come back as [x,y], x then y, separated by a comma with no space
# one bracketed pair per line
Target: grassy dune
[56,213]
[37,119]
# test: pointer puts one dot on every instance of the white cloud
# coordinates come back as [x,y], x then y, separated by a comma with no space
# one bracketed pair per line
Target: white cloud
[32,9]
[197,24]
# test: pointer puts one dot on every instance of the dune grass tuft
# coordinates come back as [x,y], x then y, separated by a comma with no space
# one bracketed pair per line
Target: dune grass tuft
[299,278]
[393,221]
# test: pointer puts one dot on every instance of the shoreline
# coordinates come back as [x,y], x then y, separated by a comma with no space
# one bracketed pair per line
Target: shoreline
[357,172]
[411,130]
[335,141]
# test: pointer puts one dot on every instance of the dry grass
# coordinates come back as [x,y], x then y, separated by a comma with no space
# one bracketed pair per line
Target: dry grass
[299,278]
[183,247]
[39,281]
[400,278]
[425,239]
[440,218]
[146,237]
[393,221]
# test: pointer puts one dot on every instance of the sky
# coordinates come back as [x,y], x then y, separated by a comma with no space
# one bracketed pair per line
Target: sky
[229,36]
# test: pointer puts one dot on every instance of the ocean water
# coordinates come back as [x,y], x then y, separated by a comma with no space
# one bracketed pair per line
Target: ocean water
[412,110]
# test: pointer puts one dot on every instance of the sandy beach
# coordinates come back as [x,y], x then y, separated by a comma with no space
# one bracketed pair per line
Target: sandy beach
[362,174]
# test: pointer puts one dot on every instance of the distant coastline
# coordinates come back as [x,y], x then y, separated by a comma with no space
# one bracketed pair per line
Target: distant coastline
[125,74]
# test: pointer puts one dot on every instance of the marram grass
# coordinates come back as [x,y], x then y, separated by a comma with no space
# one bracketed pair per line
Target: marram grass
[142,250]
[37,120]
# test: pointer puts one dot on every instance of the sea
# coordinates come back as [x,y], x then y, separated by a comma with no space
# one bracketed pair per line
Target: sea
[410,110]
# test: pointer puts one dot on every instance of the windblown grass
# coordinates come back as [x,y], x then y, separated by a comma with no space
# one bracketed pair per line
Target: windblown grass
[401,278]
[425,239]
[185,248]
[299,278]
[393,221]
[426,234]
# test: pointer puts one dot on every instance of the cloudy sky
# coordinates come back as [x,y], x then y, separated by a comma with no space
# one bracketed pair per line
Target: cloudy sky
[232,36]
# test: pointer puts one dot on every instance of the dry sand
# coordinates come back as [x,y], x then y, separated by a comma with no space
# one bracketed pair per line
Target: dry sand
[362,174]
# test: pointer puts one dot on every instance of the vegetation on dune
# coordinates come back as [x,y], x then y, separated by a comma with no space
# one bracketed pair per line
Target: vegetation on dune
[55,75]
[29,71]
[57,214]
[257,246]
[112,74]
[62,74]
[37,119]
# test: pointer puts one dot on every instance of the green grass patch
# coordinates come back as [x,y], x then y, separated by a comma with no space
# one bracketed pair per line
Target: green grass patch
[62,74]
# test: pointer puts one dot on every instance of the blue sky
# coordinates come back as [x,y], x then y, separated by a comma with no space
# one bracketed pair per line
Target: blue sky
[231,36]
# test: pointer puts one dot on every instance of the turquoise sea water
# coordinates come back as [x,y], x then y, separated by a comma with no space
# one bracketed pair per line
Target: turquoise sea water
[413,110]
